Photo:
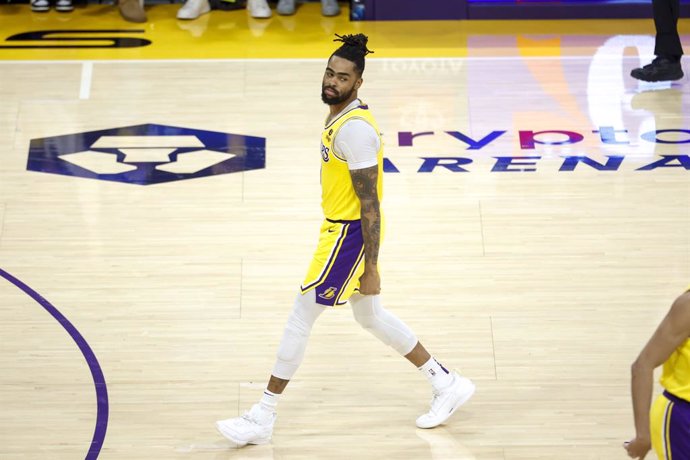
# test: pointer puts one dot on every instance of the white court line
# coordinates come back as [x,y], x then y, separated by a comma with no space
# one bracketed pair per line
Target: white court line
[86,77]
[201,60]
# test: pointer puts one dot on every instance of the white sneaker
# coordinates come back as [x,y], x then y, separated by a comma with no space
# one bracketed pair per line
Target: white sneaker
[40,6]
[286,7]
[446,401]
[192,9]
[64,6]
[254,427]
[330,8]
[259,9]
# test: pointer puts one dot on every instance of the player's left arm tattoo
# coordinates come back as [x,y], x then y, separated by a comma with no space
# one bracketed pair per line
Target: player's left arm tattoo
[364,182]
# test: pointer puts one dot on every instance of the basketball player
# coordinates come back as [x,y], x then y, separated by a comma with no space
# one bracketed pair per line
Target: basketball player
[344,266]
[669,431]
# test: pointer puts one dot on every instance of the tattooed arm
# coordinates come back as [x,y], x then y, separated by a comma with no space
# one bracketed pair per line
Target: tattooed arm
[364,182]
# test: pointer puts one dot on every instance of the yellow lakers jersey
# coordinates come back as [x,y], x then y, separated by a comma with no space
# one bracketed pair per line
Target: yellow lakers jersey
[675,376]
[338,198]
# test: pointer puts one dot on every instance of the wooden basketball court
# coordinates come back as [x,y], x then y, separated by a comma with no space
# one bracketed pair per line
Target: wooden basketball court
[525,249]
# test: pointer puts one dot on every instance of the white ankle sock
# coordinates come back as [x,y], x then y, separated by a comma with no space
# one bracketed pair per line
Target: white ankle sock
[269,401]
[438,376]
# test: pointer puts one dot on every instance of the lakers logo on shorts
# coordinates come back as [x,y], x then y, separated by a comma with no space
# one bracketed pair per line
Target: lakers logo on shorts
[329,293]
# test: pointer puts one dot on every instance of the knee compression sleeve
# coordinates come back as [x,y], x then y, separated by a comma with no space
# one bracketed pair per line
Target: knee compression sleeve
[383,324]
[296,334]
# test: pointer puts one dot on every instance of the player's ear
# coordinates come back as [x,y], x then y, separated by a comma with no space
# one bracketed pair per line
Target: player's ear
[358,83]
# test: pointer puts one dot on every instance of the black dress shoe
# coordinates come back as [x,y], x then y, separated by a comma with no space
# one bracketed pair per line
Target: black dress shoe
[661,69]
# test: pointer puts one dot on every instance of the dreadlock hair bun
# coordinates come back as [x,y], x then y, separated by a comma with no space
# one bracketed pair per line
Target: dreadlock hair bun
[354,48]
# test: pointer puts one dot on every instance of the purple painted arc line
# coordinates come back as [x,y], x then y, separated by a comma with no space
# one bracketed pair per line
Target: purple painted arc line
[96,372]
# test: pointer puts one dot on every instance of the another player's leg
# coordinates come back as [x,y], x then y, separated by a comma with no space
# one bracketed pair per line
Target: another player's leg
[450,390]
[256,425]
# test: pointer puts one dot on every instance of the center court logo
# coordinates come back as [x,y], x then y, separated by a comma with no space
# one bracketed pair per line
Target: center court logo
[147,154]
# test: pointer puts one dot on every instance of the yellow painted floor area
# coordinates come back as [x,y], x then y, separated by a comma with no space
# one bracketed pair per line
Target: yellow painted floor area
[235,35]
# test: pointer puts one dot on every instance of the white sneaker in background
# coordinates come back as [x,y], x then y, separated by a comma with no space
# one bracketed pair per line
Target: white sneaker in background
[330,8]
[40,6]
[446,401]
[192,9]
[258,9]
[286,7]
[64,6]
[254,427]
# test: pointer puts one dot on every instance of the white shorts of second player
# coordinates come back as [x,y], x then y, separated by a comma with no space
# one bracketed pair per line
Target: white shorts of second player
[367,311]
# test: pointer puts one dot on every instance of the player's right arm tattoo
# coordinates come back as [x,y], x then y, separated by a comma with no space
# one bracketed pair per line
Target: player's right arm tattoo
[365,183]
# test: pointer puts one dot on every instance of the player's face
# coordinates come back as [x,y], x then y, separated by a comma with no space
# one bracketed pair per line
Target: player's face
[340,81]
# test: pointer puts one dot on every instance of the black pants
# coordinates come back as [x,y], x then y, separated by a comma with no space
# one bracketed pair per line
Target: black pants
[666,13]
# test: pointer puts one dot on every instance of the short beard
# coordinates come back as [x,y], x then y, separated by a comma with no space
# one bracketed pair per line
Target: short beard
[335,100]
